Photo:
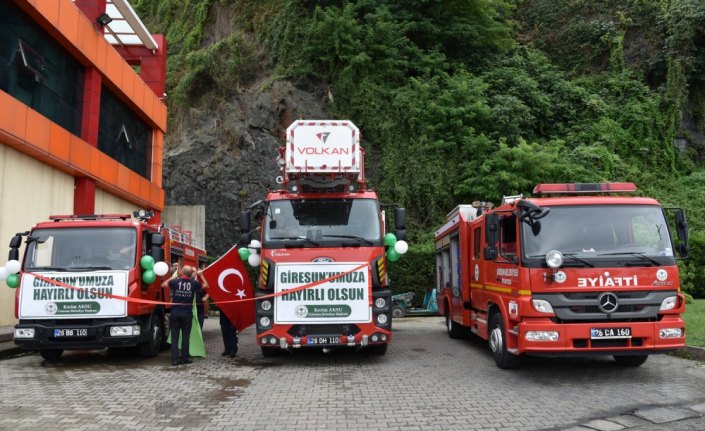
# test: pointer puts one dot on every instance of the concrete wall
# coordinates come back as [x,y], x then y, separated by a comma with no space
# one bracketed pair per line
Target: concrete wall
[30,192]
[189,217]
[105,203]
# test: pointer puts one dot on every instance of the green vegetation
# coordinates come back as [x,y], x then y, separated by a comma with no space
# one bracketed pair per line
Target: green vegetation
[695,323]
[472,100]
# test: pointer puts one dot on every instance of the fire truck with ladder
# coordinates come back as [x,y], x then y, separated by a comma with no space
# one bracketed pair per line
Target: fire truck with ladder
[326,229]
[576,271]
[96,254]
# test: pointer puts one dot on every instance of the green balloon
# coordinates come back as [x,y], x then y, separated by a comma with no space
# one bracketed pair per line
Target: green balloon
[147,262]
[13,280]
[244,253]
[392,255]
[149,276]
[390,239]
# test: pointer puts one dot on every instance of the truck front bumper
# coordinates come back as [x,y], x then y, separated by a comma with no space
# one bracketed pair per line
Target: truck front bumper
[580,339]
[78,335]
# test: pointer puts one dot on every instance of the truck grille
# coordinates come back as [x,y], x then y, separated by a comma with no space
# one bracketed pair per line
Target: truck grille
[584,307]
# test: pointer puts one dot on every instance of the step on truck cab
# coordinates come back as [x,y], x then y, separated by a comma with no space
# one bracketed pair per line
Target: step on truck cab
[110,254]
[321,223]
[575,271]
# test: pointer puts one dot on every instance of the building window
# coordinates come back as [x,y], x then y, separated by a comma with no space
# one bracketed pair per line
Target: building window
[123,135]
[37,71]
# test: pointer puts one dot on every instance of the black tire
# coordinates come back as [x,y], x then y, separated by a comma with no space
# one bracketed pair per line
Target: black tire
[454,329]
[497,338]
[378,349]
[271,352]
[51,355]
[398,311]
[151,347]
[631,360]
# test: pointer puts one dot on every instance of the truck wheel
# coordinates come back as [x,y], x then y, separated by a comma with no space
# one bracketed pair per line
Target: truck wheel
[454,329]
[271,352]
[51,355]
[498,344]
[631,360]
[398,311]
[378,349]
[151,347]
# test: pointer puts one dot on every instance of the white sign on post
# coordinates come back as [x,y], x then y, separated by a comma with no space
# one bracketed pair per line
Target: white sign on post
[322,147]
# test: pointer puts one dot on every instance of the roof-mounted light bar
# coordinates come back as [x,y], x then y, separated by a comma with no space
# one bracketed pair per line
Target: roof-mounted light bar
[90,217]
[584,188]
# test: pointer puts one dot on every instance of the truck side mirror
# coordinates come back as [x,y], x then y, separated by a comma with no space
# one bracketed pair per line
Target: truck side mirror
[245,237]
[15,244]
[400,223]
[682,232]
[491,234]
[157,249]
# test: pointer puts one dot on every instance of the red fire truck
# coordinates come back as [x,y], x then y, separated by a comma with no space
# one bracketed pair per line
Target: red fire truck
[573,272]
[97,254]
[323,228]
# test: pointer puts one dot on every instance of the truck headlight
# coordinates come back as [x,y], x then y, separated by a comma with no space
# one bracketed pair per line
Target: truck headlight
[264,321]
[542,306]
[669,303]
[542,336]
[124,331]
[382,319]
[24,333]
[266,305]
[380,302]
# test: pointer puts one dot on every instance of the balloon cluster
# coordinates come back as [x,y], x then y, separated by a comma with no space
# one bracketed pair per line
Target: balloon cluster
[396,248]
[152,269]
[9,273]
[250,253]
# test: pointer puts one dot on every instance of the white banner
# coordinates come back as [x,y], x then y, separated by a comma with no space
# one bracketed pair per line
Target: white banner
[323,146]
[343,300]
[40,299]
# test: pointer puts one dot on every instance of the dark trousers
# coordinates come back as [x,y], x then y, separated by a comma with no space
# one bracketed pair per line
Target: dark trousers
[200,316]
[230,334]
[180,323]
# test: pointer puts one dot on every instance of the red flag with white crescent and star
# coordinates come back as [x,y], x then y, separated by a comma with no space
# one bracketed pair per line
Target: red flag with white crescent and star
[228,281]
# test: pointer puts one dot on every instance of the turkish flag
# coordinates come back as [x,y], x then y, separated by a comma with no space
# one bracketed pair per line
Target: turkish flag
[228,281]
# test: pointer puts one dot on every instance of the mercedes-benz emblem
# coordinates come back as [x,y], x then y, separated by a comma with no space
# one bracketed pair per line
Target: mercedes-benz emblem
[608,302]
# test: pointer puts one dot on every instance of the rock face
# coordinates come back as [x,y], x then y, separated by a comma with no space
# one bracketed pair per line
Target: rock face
[224,156]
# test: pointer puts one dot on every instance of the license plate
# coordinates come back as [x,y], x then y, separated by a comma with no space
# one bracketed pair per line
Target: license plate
[312,341]
[610,333]
[67,333]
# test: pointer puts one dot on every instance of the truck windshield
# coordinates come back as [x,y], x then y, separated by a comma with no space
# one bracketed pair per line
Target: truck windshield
[589,234]
[322,223]
[81,249]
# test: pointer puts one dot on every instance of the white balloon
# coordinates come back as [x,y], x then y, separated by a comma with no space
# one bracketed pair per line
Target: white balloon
[254,246]
[161,268]
[13,266]
[254,260]
[401,247]
[3,273]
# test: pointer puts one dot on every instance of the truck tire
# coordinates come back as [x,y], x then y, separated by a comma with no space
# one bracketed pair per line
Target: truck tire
[151,347]
[398,311]
[454,329]
[51,355]
[271,352]
[631,360]
[498,343]
[378,349]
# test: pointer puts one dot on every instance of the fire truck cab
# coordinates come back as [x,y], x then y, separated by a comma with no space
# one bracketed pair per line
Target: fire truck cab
[96,254]
[583,273]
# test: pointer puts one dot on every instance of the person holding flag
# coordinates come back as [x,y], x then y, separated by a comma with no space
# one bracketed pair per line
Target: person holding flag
[233,295]
[181,317]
